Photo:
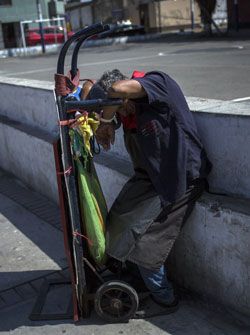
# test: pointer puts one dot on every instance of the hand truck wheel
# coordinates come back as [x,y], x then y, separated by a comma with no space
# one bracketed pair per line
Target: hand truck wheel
[116,301]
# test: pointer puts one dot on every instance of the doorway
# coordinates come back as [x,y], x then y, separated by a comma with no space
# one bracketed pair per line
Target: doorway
[9,35]
[144,16]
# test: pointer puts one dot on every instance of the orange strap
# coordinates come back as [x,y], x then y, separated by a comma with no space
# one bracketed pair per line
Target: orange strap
[66,84]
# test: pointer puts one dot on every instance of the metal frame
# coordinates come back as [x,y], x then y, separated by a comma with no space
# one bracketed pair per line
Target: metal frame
[80,266]
[74,245]
[37,315]
[70,180]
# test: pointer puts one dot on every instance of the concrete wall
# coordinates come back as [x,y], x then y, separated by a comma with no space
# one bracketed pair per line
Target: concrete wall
[131,12]
[29,125]
[211,256]
[224,128]
[105,11]
[224,131]
[178,13]
[80,17]
[29,102]
[28,154]
[21,10]
[167,14]
[16,13]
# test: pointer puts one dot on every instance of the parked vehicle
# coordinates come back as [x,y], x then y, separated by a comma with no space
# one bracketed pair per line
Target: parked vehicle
[117,30]
[51,35]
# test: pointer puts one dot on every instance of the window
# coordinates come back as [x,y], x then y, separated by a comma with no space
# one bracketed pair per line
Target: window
[5,2]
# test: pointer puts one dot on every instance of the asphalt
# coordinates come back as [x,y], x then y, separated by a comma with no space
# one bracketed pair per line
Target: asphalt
[32,253]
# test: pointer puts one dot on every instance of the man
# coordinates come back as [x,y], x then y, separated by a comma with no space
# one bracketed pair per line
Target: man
[170,169]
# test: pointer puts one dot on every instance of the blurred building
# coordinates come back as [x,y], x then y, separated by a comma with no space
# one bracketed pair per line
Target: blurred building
[80,13]
[155,15]
[12,12]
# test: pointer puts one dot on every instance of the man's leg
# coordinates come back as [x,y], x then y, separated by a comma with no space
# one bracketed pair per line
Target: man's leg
[154,246]
[157,283]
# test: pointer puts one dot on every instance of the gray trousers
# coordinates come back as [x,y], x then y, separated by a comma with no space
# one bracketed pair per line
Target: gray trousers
[138,228]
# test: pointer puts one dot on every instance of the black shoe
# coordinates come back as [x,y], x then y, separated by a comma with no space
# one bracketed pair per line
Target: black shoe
[150,308]
[114,265]
[173,304]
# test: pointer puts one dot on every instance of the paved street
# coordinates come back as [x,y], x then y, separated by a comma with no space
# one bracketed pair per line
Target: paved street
[215,68]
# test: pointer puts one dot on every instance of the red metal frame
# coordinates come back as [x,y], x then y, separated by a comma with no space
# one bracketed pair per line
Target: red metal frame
[65,223]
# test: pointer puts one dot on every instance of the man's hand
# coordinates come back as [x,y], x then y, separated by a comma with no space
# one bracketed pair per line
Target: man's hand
[105,135]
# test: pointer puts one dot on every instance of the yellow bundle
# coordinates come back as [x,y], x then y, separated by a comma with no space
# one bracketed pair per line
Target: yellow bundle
[87,126]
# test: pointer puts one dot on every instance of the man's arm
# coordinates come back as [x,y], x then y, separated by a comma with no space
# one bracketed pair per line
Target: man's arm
[124,89]
[127,89]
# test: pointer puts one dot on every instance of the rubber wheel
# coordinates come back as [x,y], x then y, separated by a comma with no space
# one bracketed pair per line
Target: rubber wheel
[116,301]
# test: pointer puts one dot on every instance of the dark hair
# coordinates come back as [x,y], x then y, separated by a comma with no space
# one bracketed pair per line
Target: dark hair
[100,89]
[109,78]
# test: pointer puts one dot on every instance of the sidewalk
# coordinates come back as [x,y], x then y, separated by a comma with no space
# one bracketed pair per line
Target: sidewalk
[32,249]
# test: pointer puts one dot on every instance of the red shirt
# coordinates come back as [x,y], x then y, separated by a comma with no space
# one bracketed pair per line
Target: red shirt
[129,122]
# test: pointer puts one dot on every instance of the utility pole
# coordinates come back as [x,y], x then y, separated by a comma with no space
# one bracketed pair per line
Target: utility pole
[159,16]
[40,17]
[236,14]
[192,14]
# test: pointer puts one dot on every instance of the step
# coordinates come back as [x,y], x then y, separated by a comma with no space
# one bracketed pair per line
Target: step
[27,152]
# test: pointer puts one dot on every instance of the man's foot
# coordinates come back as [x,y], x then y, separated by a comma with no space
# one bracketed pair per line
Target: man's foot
[150,308]
[162,304]
[114,265]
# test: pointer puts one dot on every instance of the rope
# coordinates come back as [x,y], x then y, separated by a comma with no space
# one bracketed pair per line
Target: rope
[75,233]
[72,123]
[66,172]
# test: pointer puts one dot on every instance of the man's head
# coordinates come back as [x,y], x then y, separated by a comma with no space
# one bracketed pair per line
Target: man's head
[100,89]
[109,78]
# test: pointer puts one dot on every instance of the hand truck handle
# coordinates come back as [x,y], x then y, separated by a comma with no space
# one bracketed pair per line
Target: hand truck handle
[90,105]
[83,34]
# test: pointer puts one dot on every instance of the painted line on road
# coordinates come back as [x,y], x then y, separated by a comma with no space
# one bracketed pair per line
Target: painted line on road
[118,60]
[241,99]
